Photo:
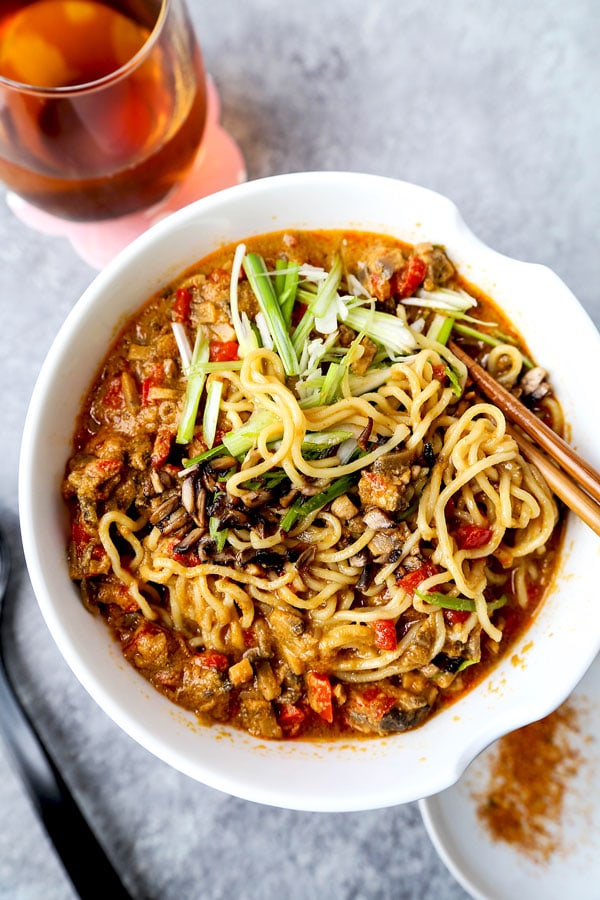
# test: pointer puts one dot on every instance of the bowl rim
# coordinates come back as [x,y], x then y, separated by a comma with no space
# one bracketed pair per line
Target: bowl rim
[294,795]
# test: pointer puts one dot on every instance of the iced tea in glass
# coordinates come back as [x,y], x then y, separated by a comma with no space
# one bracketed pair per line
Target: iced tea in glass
[102,103]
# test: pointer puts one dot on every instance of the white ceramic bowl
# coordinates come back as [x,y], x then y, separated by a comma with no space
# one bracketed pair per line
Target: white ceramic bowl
[540,672]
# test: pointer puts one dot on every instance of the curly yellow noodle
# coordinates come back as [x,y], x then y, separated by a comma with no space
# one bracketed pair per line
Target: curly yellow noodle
[478,470]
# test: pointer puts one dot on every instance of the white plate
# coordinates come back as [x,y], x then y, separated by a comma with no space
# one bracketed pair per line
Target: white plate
[494,870]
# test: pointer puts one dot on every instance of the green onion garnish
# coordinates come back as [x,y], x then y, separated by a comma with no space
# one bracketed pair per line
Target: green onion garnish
[218,535]
[219,450]
[463,604]
[487,339]
[286,286]
[211,411]
[242,439]
[260,282]
[440,328]
[193,392]
[322,309]
[389,331]
[301,509]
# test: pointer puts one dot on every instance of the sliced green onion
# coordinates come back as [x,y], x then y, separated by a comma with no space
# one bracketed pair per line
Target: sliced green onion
[242,439]
[442,299]
[332,384]
[193,392]
[183,345]
[212,406]
[233,365]
[463,604]
[205,456]
[241,324]
[322,310]
[466,663]
[370,381]
[268,480]
[299,510]
[280,270]
[321,440]
[389,331]
[216,533]
[440,328]
[260,282]
[287,292]
[487,339]
[454,381]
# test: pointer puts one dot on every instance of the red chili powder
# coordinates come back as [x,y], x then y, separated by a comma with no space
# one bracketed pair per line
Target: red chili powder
[531,768]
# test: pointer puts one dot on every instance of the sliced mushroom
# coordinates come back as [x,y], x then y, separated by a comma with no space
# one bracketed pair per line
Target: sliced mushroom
[174,521]
[165,508]
[189,541]
[377,519]
[534,384]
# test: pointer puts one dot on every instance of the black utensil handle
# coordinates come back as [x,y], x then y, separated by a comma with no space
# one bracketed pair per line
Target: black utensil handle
[85,861]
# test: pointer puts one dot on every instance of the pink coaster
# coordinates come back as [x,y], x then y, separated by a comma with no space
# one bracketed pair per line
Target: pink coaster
[219,164]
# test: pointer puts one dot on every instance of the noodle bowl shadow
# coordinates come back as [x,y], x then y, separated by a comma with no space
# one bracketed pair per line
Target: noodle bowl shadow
[542,668]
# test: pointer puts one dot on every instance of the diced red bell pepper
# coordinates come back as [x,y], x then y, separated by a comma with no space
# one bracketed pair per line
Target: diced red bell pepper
[113,397]
[155,378]
[411,277]
[223,351]
[291,718]
[81,538]
[250,639]
[471,537]
[456,616]
[411,581]
[182,305]
[189,559]
[374,702]
[385,634]
[161,447]
[320,695]
[212,659]
[106,467]
[440,373]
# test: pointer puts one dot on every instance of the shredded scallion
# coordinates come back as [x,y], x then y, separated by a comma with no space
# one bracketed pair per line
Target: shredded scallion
[194,388]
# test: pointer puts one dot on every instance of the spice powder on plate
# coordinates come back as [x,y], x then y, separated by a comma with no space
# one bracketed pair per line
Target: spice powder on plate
[531,768]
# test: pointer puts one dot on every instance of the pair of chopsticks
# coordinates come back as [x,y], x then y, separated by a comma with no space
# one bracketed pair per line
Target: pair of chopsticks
[581,490]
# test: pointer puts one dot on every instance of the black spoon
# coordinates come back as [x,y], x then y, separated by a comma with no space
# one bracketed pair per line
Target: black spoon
[85,862]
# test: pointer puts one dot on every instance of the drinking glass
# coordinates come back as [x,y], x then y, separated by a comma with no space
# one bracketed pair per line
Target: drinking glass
[102,104]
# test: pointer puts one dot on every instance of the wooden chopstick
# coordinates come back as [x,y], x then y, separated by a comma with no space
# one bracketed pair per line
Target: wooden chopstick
[585,475]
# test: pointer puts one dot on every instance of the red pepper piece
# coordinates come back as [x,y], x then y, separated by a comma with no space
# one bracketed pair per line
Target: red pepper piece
[81,538]
[320,695]
[223,351]
[182,305]
[456,616]
[440,373]
[153,380]
[113,397]
[291,718]
[161,447]
[385,634]
[411,581]
[374,702]
[212,659]
[411,277]
[471,537]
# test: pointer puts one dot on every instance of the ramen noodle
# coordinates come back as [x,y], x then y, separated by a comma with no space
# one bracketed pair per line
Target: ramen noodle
[288,501]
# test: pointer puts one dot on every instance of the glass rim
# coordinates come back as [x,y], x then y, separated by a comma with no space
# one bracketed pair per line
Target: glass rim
[70,90]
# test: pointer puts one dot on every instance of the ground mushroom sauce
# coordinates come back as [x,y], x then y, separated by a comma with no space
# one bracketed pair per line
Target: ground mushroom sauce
[530,774]
[288,501]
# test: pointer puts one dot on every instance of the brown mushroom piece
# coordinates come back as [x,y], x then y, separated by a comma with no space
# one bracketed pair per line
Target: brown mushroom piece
[383,710]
